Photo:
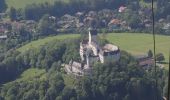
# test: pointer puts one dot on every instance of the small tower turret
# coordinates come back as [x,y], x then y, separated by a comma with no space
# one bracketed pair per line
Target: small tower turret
[92,35]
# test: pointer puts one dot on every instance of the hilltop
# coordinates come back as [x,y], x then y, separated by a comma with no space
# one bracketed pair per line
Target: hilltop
[53,83]
[135,43]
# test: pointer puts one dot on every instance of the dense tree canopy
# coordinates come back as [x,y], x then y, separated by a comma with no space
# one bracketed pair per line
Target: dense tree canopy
[3,5]
[123,80]
[13,14]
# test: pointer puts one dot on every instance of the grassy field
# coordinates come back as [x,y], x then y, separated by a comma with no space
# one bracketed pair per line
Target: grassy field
[37,43]
[136,44]
[22,3]
[30,75]
[33,74]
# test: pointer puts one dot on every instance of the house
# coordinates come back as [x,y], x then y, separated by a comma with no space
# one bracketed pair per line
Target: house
[145,61]
[92,14]
[2,30]
[90,53]
[52,18]
[166,26]
[78,69]
[79,14]
[2,15]
[29,25]
[114,24]
[67,17]
[122,9]
[147,23]
[109,53]
[107,14]
[68,22]
[4,27]
[3,37]
[90,21]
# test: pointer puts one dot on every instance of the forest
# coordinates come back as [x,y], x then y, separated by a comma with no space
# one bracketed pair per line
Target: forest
[112,81]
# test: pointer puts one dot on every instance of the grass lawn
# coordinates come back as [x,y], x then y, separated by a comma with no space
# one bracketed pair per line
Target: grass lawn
[30,75]
[37,43]
[33,73]
[138,44]
[22,3]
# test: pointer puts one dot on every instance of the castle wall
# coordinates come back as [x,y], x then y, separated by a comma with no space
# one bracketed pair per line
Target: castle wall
[94,49]
[89,53]
[109,58]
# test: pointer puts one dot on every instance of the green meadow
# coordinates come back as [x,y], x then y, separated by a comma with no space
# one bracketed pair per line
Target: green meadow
[37,43]
[139,44]
[22,3]
[30,75]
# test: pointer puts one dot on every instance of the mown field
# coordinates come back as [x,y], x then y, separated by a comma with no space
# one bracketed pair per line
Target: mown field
[22,3]
[37,43]
[139,44]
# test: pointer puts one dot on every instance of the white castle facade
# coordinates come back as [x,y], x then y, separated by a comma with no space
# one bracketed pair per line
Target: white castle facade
[91,52]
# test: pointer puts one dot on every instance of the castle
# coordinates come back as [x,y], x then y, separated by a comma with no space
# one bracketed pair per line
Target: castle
[91,52]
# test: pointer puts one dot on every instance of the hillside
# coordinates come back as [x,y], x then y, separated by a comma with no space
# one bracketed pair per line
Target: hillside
[53,81]
[37,43]
[30,75]
[136,44]
[35,74]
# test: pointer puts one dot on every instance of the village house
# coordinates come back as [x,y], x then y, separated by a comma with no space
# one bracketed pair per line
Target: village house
[114,24]
[4,28]
[166,26]
[69,22]
[90,53]
[92,14]
[2,15]
[29,25]
[89,21]
[80,16]
[147,23]
[122,9]
[145,61]
[3,37]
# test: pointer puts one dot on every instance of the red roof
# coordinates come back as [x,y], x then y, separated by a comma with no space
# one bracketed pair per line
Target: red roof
[115,21]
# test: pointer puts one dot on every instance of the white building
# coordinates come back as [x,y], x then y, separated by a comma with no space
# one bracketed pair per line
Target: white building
[109,53]
[91,52]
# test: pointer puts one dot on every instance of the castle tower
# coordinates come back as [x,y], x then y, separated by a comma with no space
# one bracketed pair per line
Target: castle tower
[87,58]
[81,51]
[92,35]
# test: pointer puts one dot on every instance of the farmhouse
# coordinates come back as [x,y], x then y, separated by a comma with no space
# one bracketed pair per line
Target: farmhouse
[91,52]
[3,37]
[122,9]
[145,61]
